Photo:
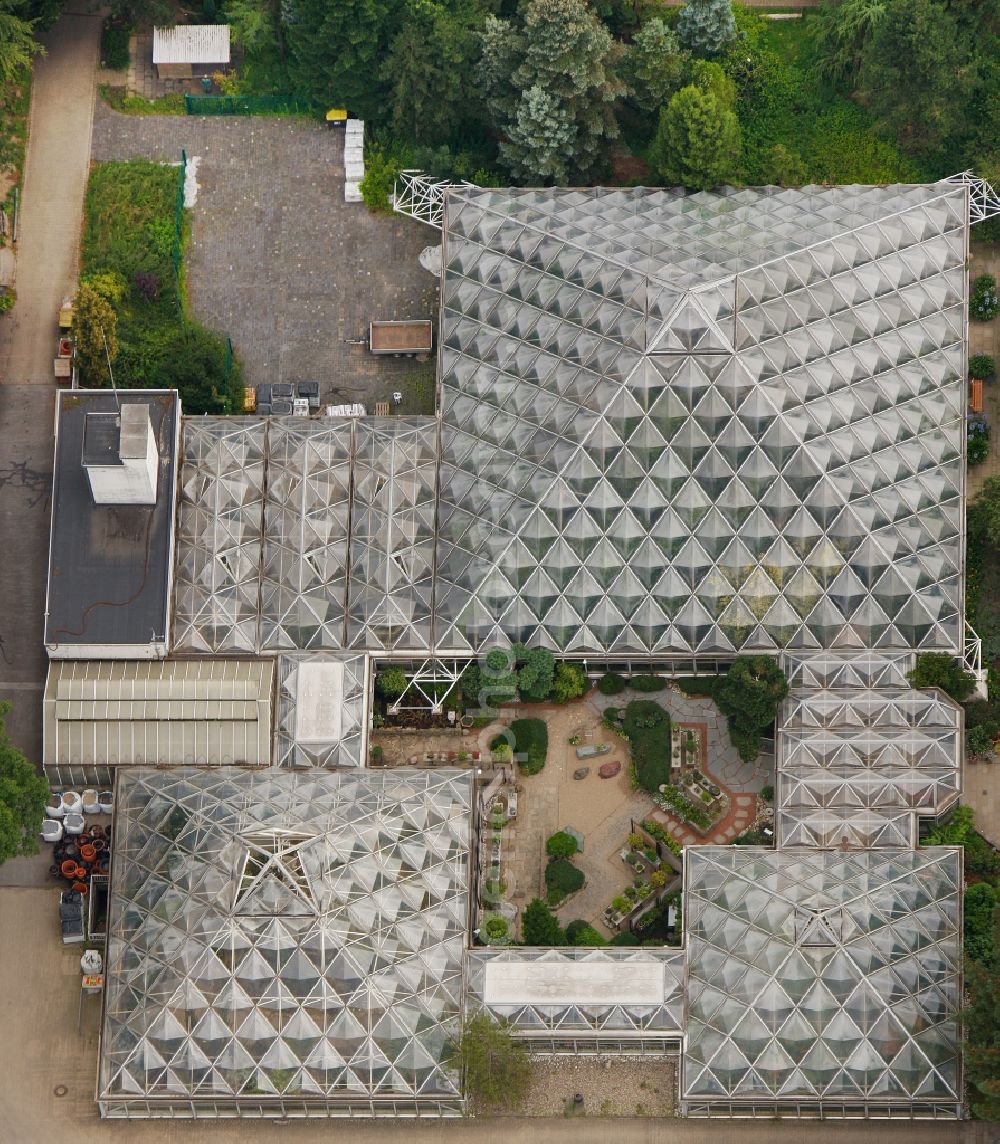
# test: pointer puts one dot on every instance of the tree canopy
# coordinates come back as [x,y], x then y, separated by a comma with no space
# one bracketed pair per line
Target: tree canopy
[940,669]
[23,794]
[539,925]
[697,144]
[17,39]
[95,334]
[550,83]
[496,1068]
[749,695]
[915,74]
[706,27]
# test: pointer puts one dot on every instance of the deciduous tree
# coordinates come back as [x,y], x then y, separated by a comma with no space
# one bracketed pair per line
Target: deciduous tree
[23,793]
[95,333]
[939,669]
[496,1068]
[17,41]
[916,75]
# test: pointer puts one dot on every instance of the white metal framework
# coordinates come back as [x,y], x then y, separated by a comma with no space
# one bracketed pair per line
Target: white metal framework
[984,202]
[421,197]
[428,686]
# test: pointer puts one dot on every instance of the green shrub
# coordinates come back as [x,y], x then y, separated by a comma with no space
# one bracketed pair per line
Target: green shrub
[625,938]
[749,695]
[684,808]
[496,928]
[8,296]
[979,741]
[561,845]
[977,447]
[647,726]
[570,682]
[697,684]
[376,187]
[611,683]
[114,44]
[647,683]
[391,683]
[655,830]
[982,366]
[942,670]
[561,875]
[531,744]
[978,907]
[767,793]
[582,933]
[984,304]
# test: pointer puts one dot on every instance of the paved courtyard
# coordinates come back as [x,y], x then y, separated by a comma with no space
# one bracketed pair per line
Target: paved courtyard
[279,262]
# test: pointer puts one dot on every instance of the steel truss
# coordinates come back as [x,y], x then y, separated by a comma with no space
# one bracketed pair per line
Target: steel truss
[984,202]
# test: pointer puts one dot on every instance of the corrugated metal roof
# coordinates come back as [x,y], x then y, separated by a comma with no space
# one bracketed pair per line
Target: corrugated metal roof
[205,712]
[191,44]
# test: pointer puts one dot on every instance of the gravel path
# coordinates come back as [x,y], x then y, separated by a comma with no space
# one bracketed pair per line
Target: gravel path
[611,1086]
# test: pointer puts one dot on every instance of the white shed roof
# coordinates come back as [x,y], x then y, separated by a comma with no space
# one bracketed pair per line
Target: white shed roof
[191,44]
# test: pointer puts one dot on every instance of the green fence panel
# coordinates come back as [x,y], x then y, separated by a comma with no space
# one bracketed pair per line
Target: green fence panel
[179,228]
[247,105]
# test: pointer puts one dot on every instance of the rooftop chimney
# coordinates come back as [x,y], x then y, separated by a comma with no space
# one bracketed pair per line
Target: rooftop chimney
[120,456]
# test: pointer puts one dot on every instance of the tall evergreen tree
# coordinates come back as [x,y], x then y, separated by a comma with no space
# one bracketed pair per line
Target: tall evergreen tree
[654,65]
[697,144]
[556,103]
[426,67]
[916,75]
[706,27]
[335,50]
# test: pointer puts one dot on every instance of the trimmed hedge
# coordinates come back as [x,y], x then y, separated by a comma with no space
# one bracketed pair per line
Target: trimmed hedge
[561,874]
[647,683]
[697,684]
[647,726]
[531,740]
[561,845]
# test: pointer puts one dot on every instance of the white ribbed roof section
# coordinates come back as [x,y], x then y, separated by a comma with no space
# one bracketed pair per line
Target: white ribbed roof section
[284,944]
[202,712]
[306,525]
[191,44]
[391,591]
[219,529]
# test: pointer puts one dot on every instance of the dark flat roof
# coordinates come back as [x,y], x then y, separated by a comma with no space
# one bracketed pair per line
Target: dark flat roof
[109,565]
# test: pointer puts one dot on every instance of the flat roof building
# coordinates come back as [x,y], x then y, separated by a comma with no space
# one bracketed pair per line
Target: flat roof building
[111,547]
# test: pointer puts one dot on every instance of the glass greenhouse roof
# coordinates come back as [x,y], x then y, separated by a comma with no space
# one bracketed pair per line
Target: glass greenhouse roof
[858,760]
[822,977]
[702,424]
[306,534]
[285,937]
[613,992]
[322,718]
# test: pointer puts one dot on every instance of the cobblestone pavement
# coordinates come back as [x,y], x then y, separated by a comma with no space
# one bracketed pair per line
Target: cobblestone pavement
[279,261]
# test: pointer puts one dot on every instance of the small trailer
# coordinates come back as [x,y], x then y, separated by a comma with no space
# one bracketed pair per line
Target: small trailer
[411,337]
[63,363]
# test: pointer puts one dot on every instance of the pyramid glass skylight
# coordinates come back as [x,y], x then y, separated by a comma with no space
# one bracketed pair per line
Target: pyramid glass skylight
[702,424]
[285,942]
[824,979]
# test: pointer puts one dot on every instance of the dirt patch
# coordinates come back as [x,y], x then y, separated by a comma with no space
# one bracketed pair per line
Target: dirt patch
[610,1086]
